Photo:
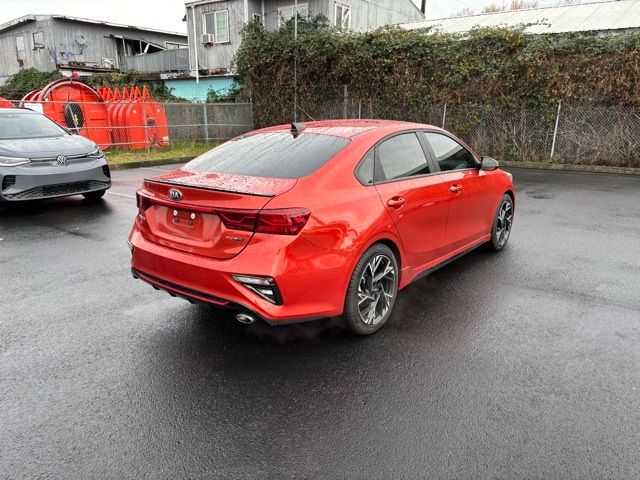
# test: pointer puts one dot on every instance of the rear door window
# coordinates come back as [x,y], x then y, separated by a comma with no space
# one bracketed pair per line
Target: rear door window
[271,155]
[402,156]
[364,172]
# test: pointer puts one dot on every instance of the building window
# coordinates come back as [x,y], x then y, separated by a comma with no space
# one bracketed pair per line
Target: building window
[175,46]
[257,17]
[20,53]
[217,24]
[20,44]
[38,40]
[343,16]
[286,13]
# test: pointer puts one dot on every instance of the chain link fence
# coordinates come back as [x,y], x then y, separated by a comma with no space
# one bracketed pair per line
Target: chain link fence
[139,130]
[208,122]
[563,133]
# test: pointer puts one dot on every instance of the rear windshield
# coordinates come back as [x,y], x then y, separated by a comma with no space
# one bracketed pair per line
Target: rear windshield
[27,125]
[273,155]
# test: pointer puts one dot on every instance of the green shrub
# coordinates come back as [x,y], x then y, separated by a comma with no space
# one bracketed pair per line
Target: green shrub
[157,88]
[26,81]
[403,71]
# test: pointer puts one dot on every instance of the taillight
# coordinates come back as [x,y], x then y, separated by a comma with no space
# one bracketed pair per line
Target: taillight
[238,219]
[286,221]
[143,202]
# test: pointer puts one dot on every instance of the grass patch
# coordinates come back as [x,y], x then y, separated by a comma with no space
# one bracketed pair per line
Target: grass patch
[177,150]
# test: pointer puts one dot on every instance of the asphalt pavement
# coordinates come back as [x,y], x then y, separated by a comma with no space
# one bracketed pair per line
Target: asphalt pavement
[524,364]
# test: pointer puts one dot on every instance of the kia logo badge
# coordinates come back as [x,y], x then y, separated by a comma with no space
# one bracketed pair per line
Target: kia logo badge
[61,160]
[175,194]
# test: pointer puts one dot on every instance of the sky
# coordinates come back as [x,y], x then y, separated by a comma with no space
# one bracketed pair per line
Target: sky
[162,14]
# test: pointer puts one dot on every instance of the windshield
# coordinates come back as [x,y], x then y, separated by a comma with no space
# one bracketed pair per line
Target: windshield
[20,125]
[272,155]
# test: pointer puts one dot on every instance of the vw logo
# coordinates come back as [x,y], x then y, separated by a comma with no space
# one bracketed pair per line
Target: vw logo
[61,160]
[175,194]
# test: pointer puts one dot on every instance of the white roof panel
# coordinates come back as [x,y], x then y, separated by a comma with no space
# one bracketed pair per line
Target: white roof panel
[611,15]
[32,18]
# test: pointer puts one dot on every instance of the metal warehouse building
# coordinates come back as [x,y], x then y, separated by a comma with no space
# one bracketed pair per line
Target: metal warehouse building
[57,42]
[609,17]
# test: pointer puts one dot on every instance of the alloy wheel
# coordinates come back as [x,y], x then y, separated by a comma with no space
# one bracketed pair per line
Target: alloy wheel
[376,289]
[505,221]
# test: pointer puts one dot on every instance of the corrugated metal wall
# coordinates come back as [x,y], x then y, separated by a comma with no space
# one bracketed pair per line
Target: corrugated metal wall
[42,58]
[167,61]
[365,15]
[81,42]
[67,41]
[216,56]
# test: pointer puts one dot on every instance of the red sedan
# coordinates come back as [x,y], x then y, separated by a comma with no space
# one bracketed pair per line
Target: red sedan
[301,222]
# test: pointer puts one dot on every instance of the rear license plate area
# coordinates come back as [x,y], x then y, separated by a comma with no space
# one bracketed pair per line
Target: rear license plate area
[185,218]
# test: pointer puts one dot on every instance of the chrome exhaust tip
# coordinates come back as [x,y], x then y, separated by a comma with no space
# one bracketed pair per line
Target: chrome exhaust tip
[245,319]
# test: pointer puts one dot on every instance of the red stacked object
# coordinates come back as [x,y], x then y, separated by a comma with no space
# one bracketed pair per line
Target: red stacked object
[4,103]
[74,105]
[137,120]
[129,119]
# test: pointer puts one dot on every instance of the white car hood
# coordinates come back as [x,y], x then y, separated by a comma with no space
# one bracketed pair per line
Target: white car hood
[47,147]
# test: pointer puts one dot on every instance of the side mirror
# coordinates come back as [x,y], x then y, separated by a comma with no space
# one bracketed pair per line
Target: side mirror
[489,164]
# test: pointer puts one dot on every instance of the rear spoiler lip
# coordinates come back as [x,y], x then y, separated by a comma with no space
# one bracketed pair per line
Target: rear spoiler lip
[205,187]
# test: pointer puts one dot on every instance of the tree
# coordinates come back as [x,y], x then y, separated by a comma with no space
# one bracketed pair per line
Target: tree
[465,12]
[523,4]
[23,82]
[515,5]
[493,8]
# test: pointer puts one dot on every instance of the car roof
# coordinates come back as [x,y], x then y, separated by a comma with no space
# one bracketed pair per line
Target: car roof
[349,128]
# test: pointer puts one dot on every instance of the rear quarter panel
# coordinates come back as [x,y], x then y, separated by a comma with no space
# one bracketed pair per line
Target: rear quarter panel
[346,216]
[344,213]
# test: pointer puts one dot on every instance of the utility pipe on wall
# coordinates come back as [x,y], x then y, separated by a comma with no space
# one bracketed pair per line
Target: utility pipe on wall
[295,62]
[196,43]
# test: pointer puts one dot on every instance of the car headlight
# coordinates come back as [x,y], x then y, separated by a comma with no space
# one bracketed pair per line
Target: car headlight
[97,153]
[13,161]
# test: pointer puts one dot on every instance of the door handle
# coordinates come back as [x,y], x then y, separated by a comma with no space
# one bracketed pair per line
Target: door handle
[396,202]
[455,188]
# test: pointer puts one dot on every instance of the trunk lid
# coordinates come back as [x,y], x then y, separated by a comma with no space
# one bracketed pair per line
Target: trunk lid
[188,220]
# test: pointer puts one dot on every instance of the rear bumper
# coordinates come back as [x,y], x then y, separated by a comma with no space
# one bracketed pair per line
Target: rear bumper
[193,296]
[311,280]
[40,182]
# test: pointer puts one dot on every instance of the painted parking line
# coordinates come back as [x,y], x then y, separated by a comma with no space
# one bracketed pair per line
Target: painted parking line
[156,169]
[120,194]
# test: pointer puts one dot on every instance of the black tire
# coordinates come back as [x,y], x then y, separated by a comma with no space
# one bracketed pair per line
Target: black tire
[94,196]
[502,224]
[361,283]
